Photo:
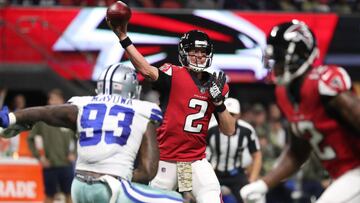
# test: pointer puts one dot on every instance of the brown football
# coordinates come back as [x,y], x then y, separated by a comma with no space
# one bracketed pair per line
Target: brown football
[118,13]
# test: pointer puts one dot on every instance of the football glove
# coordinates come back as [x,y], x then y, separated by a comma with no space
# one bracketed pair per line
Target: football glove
[216,87]
[4,117]
[14,130]
[7,130]
[254,192]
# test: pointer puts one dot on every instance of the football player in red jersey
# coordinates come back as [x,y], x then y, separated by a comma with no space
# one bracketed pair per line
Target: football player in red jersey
[323,112]
[188,96]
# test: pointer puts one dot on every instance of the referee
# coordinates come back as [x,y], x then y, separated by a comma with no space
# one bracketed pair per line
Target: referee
[225,153]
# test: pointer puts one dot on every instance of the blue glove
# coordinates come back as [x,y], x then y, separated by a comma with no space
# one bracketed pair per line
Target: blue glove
[4,117]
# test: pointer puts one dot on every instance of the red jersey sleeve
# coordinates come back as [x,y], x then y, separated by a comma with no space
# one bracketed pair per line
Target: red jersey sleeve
[225,91]
[333,80]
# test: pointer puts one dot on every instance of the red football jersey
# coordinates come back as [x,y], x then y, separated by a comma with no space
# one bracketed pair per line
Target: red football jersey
[188,109]
[336,145]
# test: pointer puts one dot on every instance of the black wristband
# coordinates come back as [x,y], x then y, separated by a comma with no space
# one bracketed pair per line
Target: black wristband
[125,42]
[220,108]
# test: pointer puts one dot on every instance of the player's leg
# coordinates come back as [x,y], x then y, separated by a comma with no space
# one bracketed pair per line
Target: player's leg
[206,187]
[227,195]
[344,189]
[50,184]
[65,177]
[135,192]
[166,177]
[234,181]
[82,192]
[235,187]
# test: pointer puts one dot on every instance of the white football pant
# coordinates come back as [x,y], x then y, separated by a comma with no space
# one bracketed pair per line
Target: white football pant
[345,189]
[205,185]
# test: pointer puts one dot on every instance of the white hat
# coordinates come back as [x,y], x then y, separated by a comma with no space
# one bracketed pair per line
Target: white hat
[232,105]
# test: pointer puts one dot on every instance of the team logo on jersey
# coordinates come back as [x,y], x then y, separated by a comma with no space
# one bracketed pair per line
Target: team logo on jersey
[203,90]
[163,169]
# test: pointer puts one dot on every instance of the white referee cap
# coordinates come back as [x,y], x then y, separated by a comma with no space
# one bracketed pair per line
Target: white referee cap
[232,105]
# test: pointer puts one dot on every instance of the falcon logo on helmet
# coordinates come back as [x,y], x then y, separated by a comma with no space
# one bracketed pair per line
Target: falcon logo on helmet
[291,49]
[299,32]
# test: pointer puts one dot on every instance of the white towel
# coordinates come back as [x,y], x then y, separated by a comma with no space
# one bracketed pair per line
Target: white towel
[114,185]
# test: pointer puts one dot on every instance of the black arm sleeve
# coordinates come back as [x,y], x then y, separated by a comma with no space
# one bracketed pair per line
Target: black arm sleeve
[163,83]
[163,86]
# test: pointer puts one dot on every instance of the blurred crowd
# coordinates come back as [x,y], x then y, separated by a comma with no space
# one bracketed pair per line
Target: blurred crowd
[338,6]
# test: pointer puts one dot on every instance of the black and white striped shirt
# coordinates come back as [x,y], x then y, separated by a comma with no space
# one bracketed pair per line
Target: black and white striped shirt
[225,153]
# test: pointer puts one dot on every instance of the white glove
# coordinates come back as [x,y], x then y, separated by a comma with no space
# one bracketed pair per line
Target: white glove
[254,192]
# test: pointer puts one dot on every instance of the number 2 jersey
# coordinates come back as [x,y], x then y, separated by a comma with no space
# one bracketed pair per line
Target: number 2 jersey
[110,131]
[187,108]
[336,144]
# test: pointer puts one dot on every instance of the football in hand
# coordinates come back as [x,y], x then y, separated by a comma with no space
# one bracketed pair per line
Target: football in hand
[118,13]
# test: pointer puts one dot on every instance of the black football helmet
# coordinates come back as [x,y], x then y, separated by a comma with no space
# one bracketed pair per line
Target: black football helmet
[195,39]
[291,50]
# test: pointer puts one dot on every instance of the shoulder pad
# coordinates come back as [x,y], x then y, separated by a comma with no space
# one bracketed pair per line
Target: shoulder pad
[72,100]
[333,80]
[79,100]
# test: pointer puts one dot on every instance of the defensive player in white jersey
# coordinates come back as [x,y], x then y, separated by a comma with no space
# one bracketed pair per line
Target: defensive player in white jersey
[113,128]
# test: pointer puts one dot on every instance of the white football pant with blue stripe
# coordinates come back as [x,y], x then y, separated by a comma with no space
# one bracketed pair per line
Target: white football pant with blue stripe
[100,192]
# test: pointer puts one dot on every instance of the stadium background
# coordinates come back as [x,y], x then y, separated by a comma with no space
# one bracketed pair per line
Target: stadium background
[46,47]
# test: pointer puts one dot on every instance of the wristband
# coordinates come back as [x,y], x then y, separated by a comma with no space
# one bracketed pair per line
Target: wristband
[126,42]
[220,108]
[12,119]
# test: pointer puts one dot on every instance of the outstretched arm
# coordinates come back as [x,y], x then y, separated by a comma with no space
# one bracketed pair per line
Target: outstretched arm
[148,156]
[348,106]
[291,159]
[136,58]
[57,115]
[226,122]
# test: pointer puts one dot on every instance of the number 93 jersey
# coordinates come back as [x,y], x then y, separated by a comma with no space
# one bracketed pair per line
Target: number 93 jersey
[110,130]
